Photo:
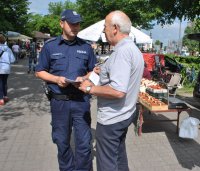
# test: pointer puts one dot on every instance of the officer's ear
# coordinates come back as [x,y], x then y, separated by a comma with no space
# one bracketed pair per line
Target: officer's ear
[62,23]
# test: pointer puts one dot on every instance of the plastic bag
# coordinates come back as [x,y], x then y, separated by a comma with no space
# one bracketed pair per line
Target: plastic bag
[189,128]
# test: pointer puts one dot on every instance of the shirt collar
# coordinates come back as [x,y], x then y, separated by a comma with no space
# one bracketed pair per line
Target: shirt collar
[62,40]
[122,42]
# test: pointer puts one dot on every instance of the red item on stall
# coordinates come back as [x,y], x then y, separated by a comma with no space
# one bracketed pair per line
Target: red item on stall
[149,59]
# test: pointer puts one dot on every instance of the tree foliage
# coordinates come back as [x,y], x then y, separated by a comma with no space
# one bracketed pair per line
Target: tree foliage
[49,23]
[13,15]
[181,9]
[194,27]
[157,42]
[46,24]
[56,8]
[141,12]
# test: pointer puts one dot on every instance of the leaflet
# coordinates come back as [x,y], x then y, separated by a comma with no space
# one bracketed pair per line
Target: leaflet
[94,78]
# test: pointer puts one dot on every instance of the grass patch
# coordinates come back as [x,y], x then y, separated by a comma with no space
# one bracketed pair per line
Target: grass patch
[188,90]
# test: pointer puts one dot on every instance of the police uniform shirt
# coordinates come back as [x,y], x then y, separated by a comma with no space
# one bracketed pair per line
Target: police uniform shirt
[68,59]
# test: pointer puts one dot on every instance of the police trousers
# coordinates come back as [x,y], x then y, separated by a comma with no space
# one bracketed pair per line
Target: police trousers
[111,148]
[32,61]
[68,114]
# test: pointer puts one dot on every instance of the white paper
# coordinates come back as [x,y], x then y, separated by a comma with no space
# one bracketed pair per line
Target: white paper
[94,78]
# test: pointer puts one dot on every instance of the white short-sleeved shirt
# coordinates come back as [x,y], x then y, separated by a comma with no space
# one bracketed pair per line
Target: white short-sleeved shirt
[123,72]
[15,48]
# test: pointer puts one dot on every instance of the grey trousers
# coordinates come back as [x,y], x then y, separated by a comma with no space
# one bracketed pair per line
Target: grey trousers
[111,147]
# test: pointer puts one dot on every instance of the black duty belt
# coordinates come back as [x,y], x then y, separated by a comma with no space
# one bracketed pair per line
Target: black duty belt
[66,96]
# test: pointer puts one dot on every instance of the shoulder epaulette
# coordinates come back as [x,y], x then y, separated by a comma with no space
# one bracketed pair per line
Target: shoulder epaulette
[83,41]
[50,40]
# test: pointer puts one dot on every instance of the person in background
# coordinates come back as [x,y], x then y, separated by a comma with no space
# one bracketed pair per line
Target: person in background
[192,74]
[16,51]
[6,58]
[146,73]
[117,93]
[38,50]
[68,56]
[188,72]
[32,60]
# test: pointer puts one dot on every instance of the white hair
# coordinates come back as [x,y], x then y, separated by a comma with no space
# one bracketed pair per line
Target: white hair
[122,21]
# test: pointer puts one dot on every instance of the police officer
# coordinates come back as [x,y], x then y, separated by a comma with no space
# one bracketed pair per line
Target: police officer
[67,56]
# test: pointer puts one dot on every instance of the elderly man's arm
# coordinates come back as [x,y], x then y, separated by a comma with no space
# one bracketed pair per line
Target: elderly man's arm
[107,92]
[101,91]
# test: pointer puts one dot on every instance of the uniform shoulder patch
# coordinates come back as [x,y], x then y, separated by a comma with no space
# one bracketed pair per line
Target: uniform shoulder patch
[50,40]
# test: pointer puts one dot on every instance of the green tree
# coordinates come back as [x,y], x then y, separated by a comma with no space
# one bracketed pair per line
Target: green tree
[57,7]
[50,24]
[157,42]
[33,23]
[139,11]
[194,27]
[13,15]
[46,24]
[181,9]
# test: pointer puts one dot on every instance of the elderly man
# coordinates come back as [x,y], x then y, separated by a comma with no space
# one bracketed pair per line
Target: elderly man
[117,93]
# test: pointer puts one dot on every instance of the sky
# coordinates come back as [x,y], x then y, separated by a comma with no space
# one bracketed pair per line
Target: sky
[163,34]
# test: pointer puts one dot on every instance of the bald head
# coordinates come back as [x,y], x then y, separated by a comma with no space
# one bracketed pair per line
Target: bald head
[120,19]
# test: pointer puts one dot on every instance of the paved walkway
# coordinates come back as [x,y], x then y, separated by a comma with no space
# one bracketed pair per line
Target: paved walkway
[25,134]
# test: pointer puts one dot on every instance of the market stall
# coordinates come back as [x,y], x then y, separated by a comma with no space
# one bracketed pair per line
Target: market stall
[154,98]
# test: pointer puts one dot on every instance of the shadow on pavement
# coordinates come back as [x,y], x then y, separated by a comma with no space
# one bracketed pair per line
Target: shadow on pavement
[26,99]
[185,150]
[190,100]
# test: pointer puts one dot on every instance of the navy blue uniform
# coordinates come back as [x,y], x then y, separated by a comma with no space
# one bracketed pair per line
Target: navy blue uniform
[69,59]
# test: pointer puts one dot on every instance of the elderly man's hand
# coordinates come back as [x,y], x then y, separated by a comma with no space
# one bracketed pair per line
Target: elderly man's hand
[85,84]
[97,69]
[78,81]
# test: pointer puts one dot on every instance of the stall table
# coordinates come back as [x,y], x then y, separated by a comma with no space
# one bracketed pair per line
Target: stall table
[141,120]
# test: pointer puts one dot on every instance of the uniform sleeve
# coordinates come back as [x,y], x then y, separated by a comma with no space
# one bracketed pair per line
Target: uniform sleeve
[92,59]
[44,60]
[120,70]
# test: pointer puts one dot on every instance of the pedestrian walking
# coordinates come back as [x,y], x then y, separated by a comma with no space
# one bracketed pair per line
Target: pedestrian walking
[68,56]
[117,93]
[16,51]
[6,58]
[32,58]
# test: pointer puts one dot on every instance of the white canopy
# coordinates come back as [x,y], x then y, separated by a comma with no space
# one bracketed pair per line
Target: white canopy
[12,34]
[95,31]
[20,37]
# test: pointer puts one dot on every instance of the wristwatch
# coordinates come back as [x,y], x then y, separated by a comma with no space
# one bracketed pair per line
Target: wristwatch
[88,88]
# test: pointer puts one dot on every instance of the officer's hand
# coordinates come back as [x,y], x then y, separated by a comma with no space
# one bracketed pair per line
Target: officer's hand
[80,79]
[62,82]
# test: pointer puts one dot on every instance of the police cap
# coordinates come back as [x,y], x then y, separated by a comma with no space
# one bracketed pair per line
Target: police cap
[71,16]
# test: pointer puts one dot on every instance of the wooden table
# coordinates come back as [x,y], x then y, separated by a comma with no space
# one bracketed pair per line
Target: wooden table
[141,120]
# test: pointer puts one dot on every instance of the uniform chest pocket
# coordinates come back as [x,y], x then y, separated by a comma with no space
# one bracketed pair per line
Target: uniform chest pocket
[58,61]
[82,60]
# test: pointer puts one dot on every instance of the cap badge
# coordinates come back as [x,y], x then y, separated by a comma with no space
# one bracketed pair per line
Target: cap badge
[75,13]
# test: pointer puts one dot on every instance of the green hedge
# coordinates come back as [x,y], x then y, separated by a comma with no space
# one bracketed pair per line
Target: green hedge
[188,61]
